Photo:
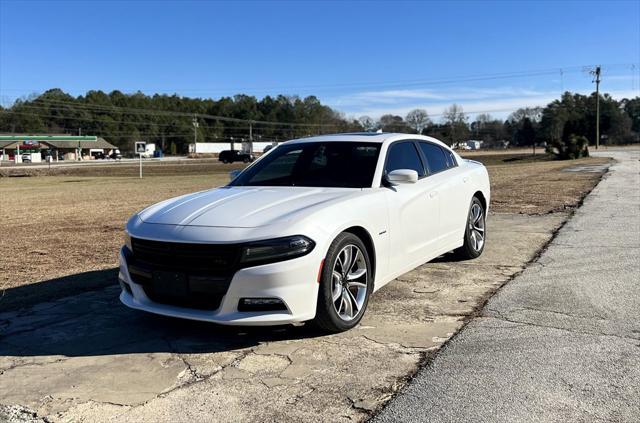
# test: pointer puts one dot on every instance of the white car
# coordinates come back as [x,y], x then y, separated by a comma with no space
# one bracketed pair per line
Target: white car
[307,232]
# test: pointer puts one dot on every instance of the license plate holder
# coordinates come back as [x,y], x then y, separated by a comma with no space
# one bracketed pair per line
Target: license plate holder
[172,284]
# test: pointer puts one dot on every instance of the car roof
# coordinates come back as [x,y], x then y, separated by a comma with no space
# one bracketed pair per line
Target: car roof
[376,137]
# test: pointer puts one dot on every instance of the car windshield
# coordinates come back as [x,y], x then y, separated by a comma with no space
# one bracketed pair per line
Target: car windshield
[315,164]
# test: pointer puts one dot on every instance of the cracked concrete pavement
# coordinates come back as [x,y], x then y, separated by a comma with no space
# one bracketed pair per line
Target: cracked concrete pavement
[561,341]
[88,358]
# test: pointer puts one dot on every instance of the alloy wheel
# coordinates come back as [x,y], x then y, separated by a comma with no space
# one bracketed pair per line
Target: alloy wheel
[349,282]
[476,227]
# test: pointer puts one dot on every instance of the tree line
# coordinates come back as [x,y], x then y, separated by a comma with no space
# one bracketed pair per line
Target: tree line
[571,115]
[172,121]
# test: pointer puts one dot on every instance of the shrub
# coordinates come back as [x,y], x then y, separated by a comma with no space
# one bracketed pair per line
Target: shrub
[571,147]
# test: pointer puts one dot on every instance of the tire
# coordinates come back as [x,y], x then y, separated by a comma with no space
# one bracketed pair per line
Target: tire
[475,234]
[344,293]
[225,161]
[246,161]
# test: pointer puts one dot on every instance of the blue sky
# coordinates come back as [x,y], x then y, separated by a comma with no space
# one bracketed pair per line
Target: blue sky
[359,57]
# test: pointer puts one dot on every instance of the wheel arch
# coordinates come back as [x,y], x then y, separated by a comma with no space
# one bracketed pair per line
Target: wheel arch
[367,240]
[480,196]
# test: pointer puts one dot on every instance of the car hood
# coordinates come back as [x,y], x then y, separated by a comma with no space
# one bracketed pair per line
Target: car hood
[242,207]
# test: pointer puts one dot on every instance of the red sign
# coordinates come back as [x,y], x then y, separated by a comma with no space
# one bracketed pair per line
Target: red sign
[29,146]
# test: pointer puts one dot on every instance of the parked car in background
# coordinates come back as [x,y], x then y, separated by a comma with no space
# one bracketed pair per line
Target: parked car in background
[115,155]
[308,232]
[230,156]
[26,158]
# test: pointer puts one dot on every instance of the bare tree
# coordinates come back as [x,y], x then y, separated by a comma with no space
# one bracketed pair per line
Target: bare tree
[418,119]
[392,123]
[367,123]
[454,115]
[455,118]
[484,118]
[480,123]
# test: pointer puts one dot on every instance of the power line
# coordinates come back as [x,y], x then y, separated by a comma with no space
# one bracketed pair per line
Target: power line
[225,128]
[411,82]
[176,113]
[328,125]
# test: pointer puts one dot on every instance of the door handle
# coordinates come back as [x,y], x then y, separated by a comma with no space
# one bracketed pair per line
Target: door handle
[465,179]
[433,194]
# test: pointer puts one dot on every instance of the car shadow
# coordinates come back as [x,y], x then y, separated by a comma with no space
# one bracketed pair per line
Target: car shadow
[450,257]
[53,289]
[96,323]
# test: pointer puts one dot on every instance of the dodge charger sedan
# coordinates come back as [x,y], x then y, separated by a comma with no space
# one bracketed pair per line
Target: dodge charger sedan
[307,232]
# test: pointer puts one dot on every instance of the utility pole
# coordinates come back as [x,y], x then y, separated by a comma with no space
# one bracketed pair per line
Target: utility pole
[195,132]
[596,74]
[250,137]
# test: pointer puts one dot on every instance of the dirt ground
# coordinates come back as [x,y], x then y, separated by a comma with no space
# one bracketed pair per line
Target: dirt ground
[541,187]
[54,226]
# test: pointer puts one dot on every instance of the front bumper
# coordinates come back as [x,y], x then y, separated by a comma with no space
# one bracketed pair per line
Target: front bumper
[293,281]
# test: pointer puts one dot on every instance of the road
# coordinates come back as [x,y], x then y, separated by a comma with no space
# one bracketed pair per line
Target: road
[561,341]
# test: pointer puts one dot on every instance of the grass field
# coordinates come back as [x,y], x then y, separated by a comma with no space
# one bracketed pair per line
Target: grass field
[52,226]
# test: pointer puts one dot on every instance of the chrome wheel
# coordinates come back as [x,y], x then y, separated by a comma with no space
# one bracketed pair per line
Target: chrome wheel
[349,282]
[476,227]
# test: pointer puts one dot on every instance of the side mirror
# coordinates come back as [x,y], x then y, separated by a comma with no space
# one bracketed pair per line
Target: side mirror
[234,174]
[402,176]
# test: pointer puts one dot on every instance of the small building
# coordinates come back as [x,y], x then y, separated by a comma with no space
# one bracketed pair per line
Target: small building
[35,148]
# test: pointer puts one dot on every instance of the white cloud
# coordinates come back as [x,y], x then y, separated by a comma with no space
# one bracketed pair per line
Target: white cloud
[620,77]
[498,101]
[367,99]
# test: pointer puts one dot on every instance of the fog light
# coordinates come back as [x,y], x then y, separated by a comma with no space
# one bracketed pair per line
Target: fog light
[261,304]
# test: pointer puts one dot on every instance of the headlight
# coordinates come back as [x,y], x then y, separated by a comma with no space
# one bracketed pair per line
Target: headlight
[127,241]
[278,249]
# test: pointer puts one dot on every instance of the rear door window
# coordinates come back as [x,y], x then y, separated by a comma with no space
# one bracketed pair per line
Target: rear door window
[437,160]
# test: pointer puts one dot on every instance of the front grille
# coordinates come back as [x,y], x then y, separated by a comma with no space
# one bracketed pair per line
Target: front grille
[184,274]
[218,258]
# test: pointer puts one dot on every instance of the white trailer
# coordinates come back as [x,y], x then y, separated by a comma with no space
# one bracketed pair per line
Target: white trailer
[217,147]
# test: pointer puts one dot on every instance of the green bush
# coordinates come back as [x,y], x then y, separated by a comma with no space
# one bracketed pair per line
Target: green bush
[571,147]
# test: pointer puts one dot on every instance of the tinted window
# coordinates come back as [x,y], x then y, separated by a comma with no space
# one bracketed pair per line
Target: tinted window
[403,155]
[436,158]
[315,164]
[279,170]
[452,159]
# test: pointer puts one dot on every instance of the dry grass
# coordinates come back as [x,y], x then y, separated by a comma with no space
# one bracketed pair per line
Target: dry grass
[55,226]
[52,226]
[541,187]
